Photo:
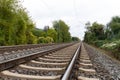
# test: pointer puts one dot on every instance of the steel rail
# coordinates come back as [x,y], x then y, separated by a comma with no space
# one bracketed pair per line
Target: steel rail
[16,61]
[69,69]
[21,47]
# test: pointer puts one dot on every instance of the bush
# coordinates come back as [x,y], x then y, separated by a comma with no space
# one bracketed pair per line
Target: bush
[45,40]
[41,40]
[99,43]
[109,46]
[31,39]
[114,47]
[49,40]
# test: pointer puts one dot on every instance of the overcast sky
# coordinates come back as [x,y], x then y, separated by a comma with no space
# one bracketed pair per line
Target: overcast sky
[74,12]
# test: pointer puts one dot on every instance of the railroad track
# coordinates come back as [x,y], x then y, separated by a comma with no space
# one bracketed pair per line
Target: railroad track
[21,56]
[10,49]
[86,69]
[67,63]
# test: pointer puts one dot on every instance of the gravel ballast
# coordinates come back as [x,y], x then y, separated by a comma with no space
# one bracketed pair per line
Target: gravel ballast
[106,67]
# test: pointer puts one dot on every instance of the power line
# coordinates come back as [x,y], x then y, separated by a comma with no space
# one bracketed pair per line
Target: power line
[75,11]
[49,8]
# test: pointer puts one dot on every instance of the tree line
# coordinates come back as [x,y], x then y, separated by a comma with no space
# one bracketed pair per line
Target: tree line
[58,33]
[105,36]
[15,24]
[17,27]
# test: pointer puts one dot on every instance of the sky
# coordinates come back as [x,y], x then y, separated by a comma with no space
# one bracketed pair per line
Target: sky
[75,13]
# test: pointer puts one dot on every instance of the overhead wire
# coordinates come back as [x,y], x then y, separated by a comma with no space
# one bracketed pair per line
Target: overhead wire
[76,14]
[75,11]
[49,8]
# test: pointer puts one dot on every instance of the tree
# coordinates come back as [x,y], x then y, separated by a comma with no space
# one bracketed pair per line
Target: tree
[38,32]
[62,30]
[7,16]
[94,32]
[53,34]
[75,39]
[48,39]
[41,40]
[114,25]
[89,37]
[45,40]
[15,24]
[98,29]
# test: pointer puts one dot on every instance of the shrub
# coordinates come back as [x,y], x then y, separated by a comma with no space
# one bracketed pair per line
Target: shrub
[99,43]
[41,40]
[48,40]
[45,40]
[114,47]
[109,46]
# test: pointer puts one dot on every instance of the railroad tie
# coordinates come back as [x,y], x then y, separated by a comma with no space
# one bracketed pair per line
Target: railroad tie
[85,60]
[53,60]
[86,78]
[57,57]
[42,69]
[8,74]
[48,63]
[86,64]
[87,70]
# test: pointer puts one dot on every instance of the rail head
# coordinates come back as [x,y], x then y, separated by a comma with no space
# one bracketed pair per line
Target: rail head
[68,71]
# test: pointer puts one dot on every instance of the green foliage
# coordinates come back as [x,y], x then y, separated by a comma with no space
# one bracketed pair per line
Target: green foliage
[113,32]
[53,34]
[50,34]
[7,7]
[108,34]
[31,39]
[45,40]
[16,27]
[89,37]
[115,25]
[99,43]
[15,24]
[41,40]
[107,38]
[75,39]
[113,45]
[38,32]
[48,39]
[62,29]
[94,32]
